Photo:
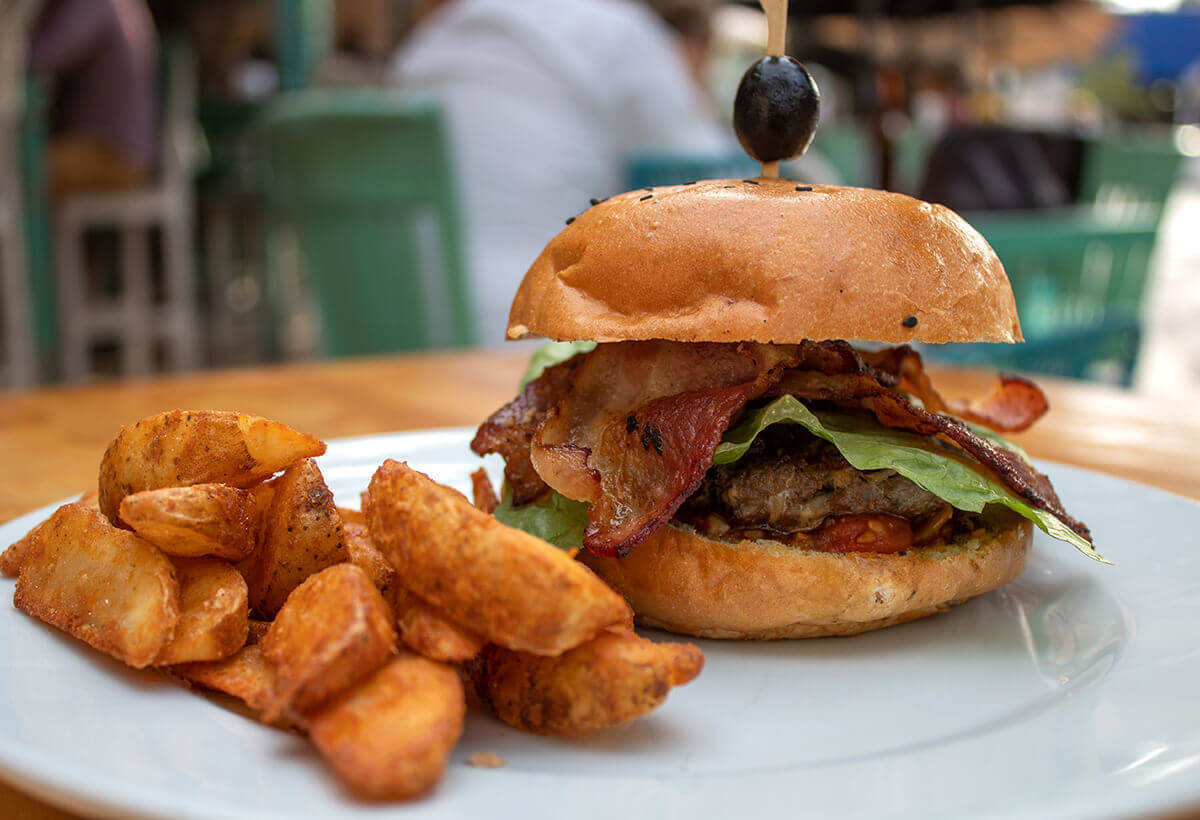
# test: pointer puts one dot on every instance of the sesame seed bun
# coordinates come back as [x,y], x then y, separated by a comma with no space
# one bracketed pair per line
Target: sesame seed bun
[760,260]
[687,583]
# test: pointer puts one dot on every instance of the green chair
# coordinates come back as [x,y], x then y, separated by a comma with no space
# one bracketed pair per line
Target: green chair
[365,178]
[1079,275]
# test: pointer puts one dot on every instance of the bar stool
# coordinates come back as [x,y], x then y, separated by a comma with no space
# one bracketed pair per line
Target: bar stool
[135,320]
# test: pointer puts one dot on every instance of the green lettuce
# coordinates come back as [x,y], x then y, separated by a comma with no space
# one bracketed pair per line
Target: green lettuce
[558,520]
[550,354]
[939,468]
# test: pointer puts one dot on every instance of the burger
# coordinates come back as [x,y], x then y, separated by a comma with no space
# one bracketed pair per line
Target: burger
[706,434]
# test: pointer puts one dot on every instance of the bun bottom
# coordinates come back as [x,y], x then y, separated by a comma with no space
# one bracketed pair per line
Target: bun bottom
[760,590]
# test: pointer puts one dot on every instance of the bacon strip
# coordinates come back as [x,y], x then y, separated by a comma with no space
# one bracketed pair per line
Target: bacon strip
[637,431]
[1012,406]
[510,429]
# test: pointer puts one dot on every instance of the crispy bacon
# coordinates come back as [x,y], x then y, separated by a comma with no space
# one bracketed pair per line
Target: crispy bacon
[510,429]
[648,416]
[1012,406]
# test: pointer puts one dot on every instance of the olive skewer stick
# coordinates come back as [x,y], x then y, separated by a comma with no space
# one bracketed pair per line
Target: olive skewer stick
[776,11]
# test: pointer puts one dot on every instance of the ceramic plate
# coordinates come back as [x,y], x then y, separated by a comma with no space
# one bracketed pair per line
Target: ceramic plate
[1070,693]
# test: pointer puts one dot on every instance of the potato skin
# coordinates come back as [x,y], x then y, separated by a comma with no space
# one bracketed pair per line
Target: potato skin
[334,631]
[201,519]
[214,616]
[105,586]
[301,535]
[390,736]
[179,448]
[609,680]
[508,586]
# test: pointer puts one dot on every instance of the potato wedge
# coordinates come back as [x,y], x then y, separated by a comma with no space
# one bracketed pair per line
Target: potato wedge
[301,535]
[334,631]
[202,519]
[352,516]
[607,681]
[180,448]
[12,558]
[245,675]
[390,736]
[428,632]
[213,612]
[363,553]
[508,586]
[104,585]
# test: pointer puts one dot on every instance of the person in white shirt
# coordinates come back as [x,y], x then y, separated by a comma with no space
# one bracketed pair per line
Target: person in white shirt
[546,100]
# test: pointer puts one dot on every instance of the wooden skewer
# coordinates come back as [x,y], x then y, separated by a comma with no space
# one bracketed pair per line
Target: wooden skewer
[776,36]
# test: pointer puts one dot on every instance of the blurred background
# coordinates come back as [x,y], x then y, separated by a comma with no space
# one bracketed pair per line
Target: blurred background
[221,183]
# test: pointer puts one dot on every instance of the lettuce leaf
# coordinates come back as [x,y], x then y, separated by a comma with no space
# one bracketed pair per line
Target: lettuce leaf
[558,520]
[941,469]
[550,354]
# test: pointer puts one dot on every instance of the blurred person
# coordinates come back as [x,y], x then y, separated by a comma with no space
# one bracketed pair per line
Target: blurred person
[102,58]
[546,100]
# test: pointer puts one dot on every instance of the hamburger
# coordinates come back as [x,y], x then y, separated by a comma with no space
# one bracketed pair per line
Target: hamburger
[708,436]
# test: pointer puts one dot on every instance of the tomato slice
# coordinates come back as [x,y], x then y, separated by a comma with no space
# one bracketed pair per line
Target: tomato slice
[863,533]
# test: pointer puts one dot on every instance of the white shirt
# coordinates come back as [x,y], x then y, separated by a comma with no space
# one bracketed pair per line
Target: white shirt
[546,99]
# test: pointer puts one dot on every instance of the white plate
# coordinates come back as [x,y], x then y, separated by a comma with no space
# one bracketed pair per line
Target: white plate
[1070,693]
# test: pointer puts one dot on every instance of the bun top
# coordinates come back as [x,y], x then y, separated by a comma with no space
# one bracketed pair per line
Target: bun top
[764,261]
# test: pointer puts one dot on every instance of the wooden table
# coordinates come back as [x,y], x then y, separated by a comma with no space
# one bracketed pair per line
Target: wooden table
[51,440]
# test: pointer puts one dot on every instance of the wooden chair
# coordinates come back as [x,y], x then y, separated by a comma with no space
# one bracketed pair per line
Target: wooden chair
[134,320]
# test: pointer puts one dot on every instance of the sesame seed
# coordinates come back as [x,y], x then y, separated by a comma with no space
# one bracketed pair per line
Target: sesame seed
[803,187]
[911,321]
[644,198]
[570,219]
[595,200]
[750,181]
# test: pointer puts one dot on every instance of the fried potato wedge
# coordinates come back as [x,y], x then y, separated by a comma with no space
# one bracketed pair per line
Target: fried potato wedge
[106,586]
[334,631]
[607,681]
[508,586]
[246,675]
[213,612]
[428,632]
[301,534]
[363,553]
[390,736]
[202,519]
[12,558]
[180,448]
[352,516]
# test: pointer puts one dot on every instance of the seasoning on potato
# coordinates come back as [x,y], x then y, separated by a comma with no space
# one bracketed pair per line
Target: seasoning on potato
[508,586]
[301,534]
[184,447]
[201,519]
[106,586]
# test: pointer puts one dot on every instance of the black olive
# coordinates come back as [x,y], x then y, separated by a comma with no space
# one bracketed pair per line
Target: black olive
[776,109]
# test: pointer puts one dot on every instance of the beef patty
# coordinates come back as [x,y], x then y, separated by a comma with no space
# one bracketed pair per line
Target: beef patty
[790,481]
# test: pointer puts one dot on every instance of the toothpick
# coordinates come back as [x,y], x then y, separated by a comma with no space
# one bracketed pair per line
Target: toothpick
[776,36]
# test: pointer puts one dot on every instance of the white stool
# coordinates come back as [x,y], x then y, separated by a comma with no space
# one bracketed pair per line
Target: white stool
[133,320]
